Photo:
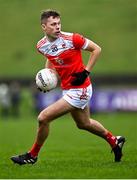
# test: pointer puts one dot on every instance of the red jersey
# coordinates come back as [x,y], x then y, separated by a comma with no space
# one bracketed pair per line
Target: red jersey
[65,55]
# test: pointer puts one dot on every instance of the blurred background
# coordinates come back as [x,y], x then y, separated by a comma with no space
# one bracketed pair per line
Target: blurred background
[111,24]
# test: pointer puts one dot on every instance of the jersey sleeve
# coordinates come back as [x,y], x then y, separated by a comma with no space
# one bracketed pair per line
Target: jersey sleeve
[79,41]
[37,49]
[39,46]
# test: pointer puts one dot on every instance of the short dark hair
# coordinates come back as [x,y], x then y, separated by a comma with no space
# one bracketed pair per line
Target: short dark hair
[48,13]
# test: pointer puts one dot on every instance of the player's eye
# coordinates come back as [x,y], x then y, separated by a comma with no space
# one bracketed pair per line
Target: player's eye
[53,24]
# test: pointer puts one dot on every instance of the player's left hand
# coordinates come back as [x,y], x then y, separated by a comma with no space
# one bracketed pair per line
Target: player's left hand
[80,77]
[41,90]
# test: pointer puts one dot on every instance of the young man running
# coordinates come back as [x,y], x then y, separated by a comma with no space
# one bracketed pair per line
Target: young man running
[63,53]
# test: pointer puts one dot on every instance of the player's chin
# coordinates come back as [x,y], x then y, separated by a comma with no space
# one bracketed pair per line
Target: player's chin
[57,34]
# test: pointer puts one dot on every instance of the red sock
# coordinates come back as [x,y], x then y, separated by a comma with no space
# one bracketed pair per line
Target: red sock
[111,139]
[35,149]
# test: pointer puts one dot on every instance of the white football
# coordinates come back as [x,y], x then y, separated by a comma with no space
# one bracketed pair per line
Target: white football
[46,79]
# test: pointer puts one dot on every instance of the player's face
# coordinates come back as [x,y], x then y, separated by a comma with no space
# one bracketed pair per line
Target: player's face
[52,28]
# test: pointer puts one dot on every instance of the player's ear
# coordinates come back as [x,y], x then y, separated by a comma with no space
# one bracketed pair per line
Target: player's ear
[43,26]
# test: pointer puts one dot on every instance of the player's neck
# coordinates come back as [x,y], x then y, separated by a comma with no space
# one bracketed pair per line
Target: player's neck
[51,38]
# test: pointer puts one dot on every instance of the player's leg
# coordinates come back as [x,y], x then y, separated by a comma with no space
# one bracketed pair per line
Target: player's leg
[50,113]
[83,121]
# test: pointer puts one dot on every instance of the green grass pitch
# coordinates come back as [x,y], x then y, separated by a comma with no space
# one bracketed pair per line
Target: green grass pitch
[69,152]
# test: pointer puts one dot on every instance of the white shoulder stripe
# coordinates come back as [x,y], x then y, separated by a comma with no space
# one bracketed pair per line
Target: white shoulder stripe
[85,44]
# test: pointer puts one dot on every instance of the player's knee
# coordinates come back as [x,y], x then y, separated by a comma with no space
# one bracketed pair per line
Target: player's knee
[42,119]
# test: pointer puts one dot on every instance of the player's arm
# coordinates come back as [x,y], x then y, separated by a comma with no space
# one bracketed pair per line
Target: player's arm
[48,64]
[95,52]
[82,43]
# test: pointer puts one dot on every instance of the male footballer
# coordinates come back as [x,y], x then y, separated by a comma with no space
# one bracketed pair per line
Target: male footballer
[63,53]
